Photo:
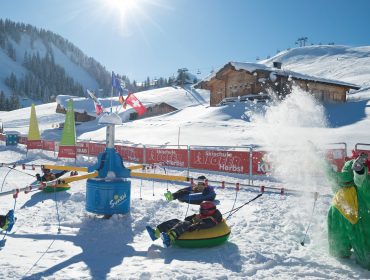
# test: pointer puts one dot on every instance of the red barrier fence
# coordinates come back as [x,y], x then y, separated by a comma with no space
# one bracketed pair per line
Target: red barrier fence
[131,154]
[171,157]
[221,159]
[48,145]
[34,144]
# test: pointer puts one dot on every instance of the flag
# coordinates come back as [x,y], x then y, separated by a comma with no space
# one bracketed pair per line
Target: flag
[98,109]
[118,83]
[98,106]
[136,104]
[115,82]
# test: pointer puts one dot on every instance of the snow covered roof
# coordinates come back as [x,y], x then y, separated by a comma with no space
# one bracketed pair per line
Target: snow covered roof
[176,97]
[256,67]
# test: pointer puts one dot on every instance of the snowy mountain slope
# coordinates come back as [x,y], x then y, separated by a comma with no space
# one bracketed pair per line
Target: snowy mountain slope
[344,63]
[37,46]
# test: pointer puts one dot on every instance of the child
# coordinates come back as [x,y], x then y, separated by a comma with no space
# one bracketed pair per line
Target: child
[200,187]
[7,221]
[171,230]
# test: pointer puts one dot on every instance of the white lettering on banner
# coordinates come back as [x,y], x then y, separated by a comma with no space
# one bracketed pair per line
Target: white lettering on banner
[168,156]
[218,154]
[227,168]
[263,167]
[117,200]
[175,163]
[218,158]
[166,152]
[133,158]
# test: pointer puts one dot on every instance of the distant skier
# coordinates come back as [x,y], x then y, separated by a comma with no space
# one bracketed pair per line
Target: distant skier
[349,215]
[200,187]
[208,217]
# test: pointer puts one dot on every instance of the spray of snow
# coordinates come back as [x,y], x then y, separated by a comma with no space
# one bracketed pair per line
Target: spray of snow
[290,131]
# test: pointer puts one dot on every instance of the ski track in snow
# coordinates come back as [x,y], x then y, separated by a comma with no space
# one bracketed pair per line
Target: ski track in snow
[264,243]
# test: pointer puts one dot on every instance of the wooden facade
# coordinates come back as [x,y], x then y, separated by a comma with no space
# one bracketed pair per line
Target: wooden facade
[79,117]
[230,82]
[154,110]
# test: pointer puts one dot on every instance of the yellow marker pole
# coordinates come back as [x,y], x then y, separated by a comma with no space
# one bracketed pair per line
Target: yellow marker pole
[63,167]
[160,176]
[78,177]
[77,168]
[136,167]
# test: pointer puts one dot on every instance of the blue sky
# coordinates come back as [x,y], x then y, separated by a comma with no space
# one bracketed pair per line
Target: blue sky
[156,37]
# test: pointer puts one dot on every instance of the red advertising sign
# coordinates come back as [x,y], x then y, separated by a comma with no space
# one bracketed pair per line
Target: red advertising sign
[96,148]
[131,154]
[48,145]
[170,157]
[260,164]
[223,161]
[2,137]
[82,148]
[34,144]
[336,157]
[67,152]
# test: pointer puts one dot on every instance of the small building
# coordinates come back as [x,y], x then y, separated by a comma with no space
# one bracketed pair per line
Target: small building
[79,117]
[154,109]
[237,79]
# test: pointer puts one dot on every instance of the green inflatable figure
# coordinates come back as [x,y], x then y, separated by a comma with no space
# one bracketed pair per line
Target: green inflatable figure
[349,215]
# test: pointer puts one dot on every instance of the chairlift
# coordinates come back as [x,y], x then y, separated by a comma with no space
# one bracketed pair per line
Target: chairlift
[198,72]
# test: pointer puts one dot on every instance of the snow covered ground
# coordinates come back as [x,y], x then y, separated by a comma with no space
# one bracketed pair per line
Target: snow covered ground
[264,244]
[266,234]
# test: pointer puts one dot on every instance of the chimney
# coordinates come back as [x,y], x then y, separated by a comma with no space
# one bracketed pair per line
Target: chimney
[277,64]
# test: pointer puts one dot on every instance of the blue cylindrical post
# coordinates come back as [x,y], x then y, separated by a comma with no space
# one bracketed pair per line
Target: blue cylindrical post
[110,192]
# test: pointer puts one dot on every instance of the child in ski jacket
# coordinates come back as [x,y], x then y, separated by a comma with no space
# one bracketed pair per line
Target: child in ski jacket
[349,215]
[49,176]
[200,187]
[171,230]
[7,220]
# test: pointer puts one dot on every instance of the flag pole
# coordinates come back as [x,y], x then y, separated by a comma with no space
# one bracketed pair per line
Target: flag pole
[111,96]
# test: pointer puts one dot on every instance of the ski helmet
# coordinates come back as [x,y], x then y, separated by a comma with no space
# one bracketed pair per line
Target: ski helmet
[207,208]
[45,170]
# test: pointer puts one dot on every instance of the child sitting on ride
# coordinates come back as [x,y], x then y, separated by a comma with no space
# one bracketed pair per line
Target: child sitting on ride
[7,221]
[208,217]
[200,187]
[48,175]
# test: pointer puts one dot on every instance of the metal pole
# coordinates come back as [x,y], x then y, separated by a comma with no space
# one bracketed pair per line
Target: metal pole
[188,161]
[178,138]
[250,164]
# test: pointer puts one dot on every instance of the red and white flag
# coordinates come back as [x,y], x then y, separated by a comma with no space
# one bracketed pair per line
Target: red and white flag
[136,104]
[98,106]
